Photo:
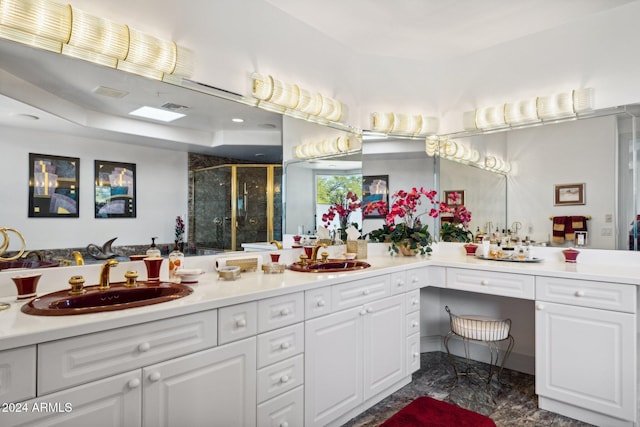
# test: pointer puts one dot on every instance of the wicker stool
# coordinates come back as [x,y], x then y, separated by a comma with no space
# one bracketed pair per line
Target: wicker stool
[478,328]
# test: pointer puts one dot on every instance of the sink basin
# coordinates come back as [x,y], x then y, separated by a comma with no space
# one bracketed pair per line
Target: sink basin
[331,266]
[24,263]
[117,297]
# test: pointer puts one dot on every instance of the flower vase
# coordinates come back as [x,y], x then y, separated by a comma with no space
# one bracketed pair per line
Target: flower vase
[405,249]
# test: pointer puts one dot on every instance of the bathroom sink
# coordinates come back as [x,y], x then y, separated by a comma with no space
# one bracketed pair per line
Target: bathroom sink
[331,266]
[117,297]
[24,263]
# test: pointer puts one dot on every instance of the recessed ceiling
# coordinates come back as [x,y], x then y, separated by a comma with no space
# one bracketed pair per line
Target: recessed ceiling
[435,30]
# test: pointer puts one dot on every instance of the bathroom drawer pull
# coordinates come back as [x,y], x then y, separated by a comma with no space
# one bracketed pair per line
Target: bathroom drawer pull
[284,312]
[415,301]
[369,309]
[285,345]
[400,282]
[415,280]
[134,383]
[579,293]
[414,324]
[539,307]
[144,347]
[363,312]
[241,323]
[484,282]
[366,292]
[321,303]
[284,379]
[154,377]
[284,424]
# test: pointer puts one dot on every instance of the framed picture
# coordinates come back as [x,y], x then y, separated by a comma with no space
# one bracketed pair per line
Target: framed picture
[569,194]
[454,198]
[115,189]
[374,189]
[54,189]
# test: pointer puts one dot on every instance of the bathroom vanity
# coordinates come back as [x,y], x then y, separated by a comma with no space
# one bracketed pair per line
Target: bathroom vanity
[313,348]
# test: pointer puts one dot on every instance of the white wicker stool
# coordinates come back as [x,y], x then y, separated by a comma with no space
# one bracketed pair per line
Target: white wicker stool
[479,328]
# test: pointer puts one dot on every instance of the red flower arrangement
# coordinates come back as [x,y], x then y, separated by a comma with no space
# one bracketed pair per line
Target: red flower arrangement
[348,204]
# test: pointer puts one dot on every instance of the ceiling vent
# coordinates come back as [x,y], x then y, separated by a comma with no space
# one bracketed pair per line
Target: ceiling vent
[110,92]
[174,107]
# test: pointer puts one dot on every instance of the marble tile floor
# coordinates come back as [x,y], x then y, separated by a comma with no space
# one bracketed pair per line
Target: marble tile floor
[513,403]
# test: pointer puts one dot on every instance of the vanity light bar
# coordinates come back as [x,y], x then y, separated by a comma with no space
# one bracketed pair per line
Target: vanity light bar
[337,145]
[63,29]
[276,95]
[418,125]
[462,153]
[557,106]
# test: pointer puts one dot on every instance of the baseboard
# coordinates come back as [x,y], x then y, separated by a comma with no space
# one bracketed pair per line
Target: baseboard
[478,351]
[581,414]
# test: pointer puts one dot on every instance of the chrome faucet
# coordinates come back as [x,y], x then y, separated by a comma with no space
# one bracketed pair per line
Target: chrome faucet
[104,273]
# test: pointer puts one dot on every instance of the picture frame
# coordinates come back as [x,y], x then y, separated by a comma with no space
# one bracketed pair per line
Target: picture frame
[569,194]
[374,189]
[449,198]
[54,189]
[115,189]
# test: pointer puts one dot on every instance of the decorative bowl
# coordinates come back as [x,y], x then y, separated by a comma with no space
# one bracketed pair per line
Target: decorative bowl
[189,275]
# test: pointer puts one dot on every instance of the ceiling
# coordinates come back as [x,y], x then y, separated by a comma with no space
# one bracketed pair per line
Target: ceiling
[436,30]
[64,99]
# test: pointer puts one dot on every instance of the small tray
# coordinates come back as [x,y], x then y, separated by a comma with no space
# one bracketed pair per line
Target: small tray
[509,259]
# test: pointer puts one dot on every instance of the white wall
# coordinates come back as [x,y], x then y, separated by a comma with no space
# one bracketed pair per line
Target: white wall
[161,184]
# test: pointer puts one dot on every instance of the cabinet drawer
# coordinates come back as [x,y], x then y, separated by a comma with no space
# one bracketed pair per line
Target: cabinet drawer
[586,293]
[280,311]
[317,302]
[17,374]
[413,323]
[280,344]
[423,276]
[398,282]
[358,292]
[77,360]
[488,282]
[280,377]
[237,322]
[413,301]
[284,410]
[413,353]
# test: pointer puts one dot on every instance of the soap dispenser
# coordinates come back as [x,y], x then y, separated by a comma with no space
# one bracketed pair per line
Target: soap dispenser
[153,250]
[176,262]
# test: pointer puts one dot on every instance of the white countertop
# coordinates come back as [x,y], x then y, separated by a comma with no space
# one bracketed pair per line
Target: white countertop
[19,329]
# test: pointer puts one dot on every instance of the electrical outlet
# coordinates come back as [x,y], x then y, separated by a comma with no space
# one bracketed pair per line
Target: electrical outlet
[606,231]
[608,218]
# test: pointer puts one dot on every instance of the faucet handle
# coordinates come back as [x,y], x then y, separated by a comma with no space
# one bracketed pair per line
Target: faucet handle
[131,279]
[324,255]
[303,260]
[77,285]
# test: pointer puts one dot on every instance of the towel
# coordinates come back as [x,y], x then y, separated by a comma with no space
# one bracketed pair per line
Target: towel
[559,223]
[568,229]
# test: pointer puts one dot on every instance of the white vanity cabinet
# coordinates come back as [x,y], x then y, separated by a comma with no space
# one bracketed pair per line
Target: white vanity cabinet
[355,353]
[586,349]
[17,374]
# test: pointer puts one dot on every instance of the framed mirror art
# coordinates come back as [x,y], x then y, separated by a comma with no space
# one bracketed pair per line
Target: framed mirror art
[53,186]
[115,189]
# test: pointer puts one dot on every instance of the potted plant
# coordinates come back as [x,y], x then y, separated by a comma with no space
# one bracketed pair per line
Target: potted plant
[402,227]
[345,205]
[456,227]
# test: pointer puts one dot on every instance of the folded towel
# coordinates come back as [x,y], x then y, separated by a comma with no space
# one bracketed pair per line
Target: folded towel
[579,223]
[558,229]
[568,229]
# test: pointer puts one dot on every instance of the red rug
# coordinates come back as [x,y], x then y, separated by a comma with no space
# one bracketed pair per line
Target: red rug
[425,411]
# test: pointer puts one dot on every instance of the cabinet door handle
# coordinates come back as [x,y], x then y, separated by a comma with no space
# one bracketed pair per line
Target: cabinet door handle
[414,324]
[154,377]
[415,301]
[321,303]
[484,282]
[579,293]
[284,424]
[539,307]
[144,347]
[134,383]
[363,312]
[241,322]
[285,345]
[369,309]
[416,354]
[366,292]
[284,379]
[284,312]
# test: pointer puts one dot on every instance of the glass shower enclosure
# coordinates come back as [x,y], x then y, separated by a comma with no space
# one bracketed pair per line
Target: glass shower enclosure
[235,204]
